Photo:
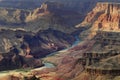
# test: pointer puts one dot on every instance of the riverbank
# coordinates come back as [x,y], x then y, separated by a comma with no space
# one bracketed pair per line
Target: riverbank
[78,40]
[46,64]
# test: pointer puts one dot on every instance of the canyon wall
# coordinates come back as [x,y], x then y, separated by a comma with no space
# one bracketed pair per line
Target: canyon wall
[104,17]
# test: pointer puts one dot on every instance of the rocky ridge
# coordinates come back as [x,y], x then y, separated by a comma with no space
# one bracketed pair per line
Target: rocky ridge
[104,17]
[102,52]
[9,16]
[68,62]
[50,15]
[20,48]
[103,24]
[45,9]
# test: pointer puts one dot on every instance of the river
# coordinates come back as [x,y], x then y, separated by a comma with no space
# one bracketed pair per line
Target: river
[46,64]
[50,65]
[74,44]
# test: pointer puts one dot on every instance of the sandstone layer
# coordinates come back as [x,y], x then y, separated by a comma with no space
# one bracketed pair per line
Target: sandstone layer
[104,17]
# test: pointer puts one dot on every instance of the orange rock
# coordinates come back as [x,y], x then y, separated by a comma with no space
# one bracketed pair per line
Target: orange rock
[105,16]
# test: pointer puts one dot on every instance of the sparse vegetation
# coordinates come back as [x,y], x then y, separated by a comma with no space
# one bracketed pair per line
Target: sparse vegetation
[23,70]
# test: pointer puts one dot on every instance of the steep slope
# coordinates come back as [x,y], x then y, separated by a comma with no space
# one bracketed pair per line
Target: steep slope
[70,63]
[54,15]
[58,15]
[50,15]
[14,60]
[19,48]
[32,37]
[48,41]
[105,70]
[12,16]
[104,45]
[104,17]
[45,41]
[103,23]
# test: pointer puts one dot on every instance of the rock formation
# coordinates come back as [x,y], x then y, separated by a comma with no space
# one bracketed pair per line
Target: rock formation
[14,60]
[48,41]
[26,46]
[12,16]
[55,15]
[22,47]
[50,15]
[104,17]
[45,9]
[41,43]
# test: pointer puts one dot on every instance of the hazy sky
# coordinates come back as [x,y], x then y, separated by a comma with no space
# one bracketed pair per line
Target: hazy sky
[61,0]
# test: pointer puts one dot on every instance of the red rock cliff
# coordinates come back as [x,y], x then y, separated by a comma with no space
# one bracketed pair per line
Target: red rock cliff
[105,16]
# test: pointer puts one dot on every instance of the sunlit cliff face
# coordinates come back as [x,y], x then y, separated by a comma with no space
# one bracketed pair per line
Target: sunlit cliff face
[105,16]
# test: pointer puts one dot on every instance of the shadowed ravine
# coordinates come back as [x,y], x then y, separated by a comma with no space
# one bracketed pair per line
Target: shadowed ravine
[74,44]
[50,65]
[60,40]
[46,64]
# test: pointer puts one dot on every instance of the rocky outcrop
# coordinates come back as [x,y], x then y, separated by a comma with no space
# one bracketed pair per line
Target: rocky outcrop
[50,15]
[12,16]
[69,67]
[67,61]
[55,14]
[45,9]
[9,38]
[102,60]
[104,17]
[14,60]
[38,44]
[60,16]
[19,48]
[48,41]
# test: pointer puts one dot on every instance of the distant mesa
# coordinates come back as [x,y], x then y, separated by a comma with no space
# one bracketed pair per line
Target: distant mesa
[45,9]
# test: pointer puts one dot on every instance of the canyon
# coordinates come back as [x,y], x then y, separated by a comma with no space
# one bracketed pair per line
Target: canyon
[61,43]
[104,17]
